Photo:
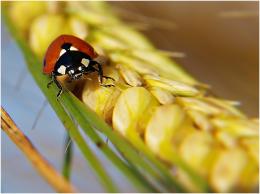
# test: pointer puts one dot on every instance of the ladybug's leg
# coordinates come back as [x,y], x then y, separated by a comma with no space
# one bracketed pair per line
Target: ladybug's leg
[59,86]
[49,84]
[107,77]
[101,76]
[53,79]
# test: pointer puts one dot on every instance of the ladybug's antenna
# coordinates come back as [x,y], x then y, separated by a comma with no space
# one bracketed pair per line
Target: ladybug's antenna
[45,103]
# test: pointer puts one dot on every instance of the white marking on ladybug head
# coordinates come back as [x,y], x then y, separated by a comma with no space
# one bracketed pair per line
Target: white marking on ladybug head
[62,69]
[72,48]
[85,62]
[71,71]
[62,51]
[80,68]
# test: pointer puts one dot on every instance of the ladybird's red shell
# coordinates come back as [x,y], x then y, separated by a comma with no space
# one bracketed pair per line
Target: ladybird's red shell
[53,51]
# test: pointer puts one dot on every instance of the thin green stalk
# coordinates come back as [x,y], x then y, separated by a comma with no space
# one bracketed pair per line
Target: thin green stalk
[104,178]
[143,185]
[67,160]
[34,67]
[161,174]
[72,129]
[75,134]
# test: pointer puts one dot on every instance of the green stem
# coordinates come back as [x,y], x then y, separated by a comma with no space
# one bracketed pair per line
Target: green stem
[143,185]
[34,67]
[162,175]
[74,133]
[67,161]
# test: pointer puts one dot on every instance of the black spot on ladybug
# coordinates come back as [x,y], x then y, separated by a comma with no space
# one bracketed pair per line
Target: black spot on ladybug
[66,46]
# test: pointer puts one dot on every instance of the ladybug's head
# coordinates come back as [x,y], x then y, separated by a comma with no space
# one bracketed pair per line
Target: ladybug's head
[73,63]
[75,72]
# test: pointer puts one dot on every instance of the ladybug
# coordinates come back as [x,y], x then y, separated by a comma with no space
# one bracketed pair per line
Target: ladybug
[70,55]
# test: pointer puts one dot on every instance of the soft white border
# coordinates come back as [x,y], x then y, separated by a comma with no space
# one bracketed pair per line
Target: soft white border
[112,0]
